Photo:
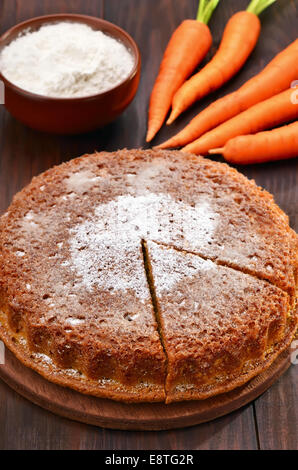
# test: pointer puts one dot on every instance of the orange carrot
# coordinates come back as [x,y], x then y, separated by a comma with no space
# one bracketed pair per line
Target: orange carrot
[188,46]
[239,39]
[276,110]
[278,144]
[274,78]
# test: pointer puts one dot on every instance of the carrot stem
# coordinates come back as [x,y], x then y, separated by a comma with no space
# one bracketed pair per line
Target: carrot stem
[205,10]
[257,6]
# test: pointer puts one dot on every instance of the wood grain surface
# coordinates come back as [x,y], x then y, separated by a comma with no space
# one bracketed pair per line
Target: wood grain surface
[272,421]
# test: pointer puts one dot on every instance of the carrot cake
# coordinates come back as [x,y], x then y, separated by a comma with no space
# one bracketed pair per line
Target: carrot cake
[146,276]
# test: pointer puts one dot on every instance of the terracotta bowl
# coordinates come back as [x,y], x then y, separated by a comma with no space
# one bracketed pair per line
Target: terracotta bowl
[71,115]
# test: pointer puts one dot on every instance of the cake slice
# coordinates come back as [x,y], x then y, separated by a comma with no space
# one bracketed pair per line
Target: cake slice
[219,327]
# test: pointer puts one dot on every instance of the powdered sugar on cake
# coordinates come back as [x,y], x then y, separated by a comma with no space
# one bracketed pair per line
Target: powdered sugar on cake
[172,267]
[105,248]
[81,181]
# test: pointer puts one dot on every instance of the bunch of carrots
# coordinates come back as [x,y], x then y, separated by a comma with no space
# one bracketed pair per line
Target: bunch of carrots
[231,125]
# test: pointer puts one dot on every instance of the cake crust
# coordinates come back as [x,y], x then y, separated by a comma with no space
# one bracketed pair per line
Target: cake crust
[75,291]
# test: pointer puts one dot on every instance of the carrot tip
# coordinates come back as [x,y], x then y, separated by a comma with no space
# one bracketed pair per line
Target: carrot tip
[164,145]
[150,136]
[215,151]
[174,114]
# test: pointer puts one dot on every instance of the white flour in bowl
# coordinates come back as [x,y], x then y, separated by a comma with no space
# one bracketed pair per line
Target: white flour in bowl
[66,60]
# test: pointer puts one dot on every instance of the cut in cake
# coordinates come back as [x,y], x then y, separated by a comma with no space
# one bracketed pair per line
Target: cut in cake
[146,276]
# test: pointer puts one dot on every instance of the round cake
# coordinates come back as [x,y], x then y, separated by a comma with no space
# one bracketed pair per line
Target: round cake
[146,276]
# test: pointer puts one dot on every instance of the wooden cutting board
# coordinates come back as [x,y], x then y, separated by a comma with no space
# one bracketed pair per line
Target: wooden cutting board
[146,416]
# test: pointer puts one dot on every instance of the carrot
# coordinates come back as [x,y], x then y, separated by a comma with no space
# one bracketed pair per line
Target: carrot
[274,78]
[276,110]
[187,47]
[278,144]
[239,39]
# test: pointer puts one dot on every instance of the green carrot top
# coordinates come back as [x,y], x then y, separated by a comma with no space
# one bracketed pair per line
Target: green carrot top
[205,10]
[257,6]
[207,7]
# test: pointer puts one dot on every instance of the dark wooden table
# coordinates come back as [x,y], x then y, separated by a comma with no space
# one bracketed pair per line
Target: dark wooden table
[271,422]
